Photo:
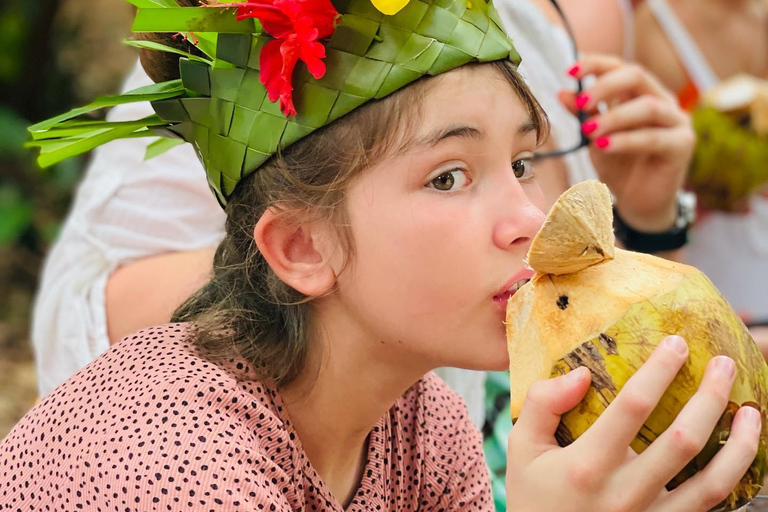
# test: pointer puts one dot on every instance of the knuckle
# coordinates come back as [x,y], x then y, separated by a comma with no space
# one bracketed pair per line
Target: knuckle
[654,106]
[584,476]
[537,396]
[636,405]
[747,446]
[720,392]
[686,444]
[714,493]
[636,71]
[655,141]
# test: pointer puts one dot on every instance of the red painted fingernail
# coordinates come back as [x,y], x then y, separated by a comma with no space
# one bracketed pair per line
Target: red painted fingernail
[581,100]
[602,142]
[588,127]
[574,70]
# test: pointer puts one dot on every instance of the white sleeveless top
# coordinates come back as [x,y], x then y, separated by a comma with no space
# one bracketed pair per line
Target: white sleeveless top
[731,249]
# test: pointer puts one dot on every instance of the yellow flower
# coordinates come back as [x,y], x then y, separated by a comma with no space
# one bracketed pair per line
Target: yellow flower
[389,7]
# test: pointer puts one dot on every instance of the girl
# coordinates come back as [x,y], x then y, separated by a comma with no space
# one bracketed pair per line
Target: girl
[356,260]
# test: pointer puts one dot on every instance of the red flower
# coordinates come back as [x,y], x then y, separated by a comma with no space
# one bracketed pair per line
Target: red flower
[296,26]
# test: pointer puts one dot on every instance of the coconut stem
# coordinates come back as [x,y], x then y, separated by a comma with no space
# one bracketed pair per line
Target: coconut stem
[577,233]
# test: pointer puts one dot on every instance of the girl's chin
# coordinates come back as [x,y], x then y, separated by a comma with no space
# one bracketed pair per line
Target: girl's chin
[488,364]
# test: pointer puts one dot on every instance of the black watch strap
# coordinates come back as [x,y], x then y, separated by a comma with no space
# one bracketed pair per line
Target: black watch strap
[670,240]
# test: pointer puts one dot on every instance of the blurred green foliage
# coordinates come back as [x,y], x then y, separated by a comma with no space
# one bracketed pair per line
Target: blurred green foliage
[32,202]
[55,53]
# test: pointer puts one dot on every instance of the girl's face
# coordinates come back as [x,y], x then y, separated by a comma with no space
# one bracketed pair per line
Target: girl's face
[441,229]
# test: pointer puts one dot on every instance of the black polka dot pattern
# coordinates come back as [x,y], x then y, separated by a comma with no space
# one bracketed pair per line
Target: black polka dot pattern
[152,425]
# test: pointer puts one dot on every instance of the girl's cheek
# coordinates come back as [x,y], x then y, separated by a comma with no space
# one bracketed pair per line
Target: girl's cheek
[535,194]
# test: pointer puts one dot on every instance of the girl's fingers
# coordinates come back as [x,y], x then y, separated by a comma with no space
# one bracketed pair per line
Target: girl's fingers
[646,140]
[645,111]
[545,402]
[711,485]
[686,437]
[606,441]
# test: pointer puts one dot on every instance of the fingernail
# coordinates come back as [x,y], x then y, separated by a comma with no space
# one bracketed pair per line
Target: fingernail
[588,127]
[753,417]
[575,376]
[574,70]
[602,142]
[676,343]
[726,366]
[581,100]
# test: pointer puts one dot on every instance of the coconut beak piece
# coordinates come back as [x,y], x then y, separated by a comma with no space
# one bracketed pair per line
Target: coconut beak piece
[578,232]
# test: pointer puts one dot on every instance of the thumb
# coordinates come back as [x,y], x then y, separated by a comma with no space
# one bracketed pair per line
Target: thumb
[545,402]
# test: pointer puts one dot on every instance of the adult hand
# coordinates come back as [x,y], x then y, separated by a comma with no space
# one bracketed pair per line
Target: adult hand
[599,471]
[641,146]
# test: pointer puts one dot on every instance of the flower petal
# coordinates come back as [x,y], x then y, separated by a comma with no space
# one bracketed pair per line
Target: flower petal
[296,26]
[311,54]
[271,64]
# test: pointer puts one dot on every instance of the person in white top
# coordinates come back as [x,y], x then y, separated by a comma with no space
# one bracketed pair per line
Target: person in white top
[137,224]
[692,46]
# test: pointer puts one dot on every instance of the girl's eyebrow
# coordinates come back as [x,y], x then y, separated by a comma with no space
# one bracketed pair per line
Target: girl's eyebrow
[466,132]
[463,132]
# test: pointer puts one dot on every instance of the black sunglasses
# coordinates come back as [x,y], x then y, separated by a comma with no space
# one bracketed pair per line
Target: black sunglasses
[580,114]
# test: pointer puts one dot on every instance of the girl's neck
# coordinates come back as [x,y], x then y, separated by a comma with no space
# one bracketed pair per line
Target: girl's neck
[348,386]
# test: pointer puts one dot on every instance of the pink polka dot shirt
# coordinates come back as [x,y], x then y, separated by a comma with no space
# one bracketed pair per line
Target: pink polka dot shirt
[152,425]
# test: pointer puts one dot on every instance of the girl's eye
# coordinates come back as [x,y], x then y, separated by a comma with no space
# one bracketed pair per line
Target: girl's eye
[448,180]
[523,168]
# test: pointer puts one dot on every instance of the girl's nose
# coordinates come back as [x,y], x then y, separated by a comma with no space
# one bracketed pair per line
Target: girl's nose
[518,226]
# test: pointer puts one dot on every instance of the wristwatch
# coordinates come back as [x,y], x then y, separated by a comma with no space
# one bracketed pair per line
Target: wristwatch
[674,238]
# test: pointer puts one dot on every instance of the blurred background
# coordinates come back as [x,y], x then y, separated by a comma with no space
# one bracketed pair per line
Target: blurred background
[54,55]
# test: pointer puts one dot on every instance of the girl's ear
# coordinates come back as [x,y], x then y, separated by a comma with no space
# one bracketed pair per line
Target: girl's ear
[299,253]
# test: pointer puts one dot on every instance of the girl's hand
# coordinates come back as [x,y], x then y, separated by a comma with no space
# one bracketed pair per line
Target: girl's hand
[599,471]
[641,146]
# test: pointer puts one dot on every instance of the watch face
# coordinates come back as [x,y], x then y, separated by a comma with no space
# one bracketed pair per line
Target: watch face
[687,209]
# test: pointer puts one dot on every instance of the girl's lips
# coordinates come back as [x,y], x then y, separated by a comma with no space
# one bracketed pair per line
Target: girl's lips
[500,301]
[513,285]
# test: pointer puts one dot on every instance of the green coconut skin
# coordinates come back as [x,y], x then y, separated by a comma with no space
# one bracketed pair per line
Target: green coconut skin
[696,311]
[728,163]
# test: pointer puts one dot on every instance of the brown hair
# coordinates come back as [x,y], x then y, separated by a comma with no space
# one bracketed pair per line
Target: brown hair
[164,66]
[245,310]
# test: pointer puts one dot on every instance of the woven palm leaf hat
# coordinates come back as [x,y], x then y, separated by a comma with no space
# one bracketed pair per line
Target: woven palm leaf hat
[273,71]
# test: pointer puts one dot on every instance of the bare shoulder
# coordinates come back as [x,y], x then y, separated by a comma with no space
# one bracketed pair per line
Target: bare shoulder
[654,52]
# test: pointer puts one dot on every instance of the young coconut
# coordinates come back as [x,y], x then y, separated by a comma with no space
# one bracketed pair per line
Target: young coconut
[590,304]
